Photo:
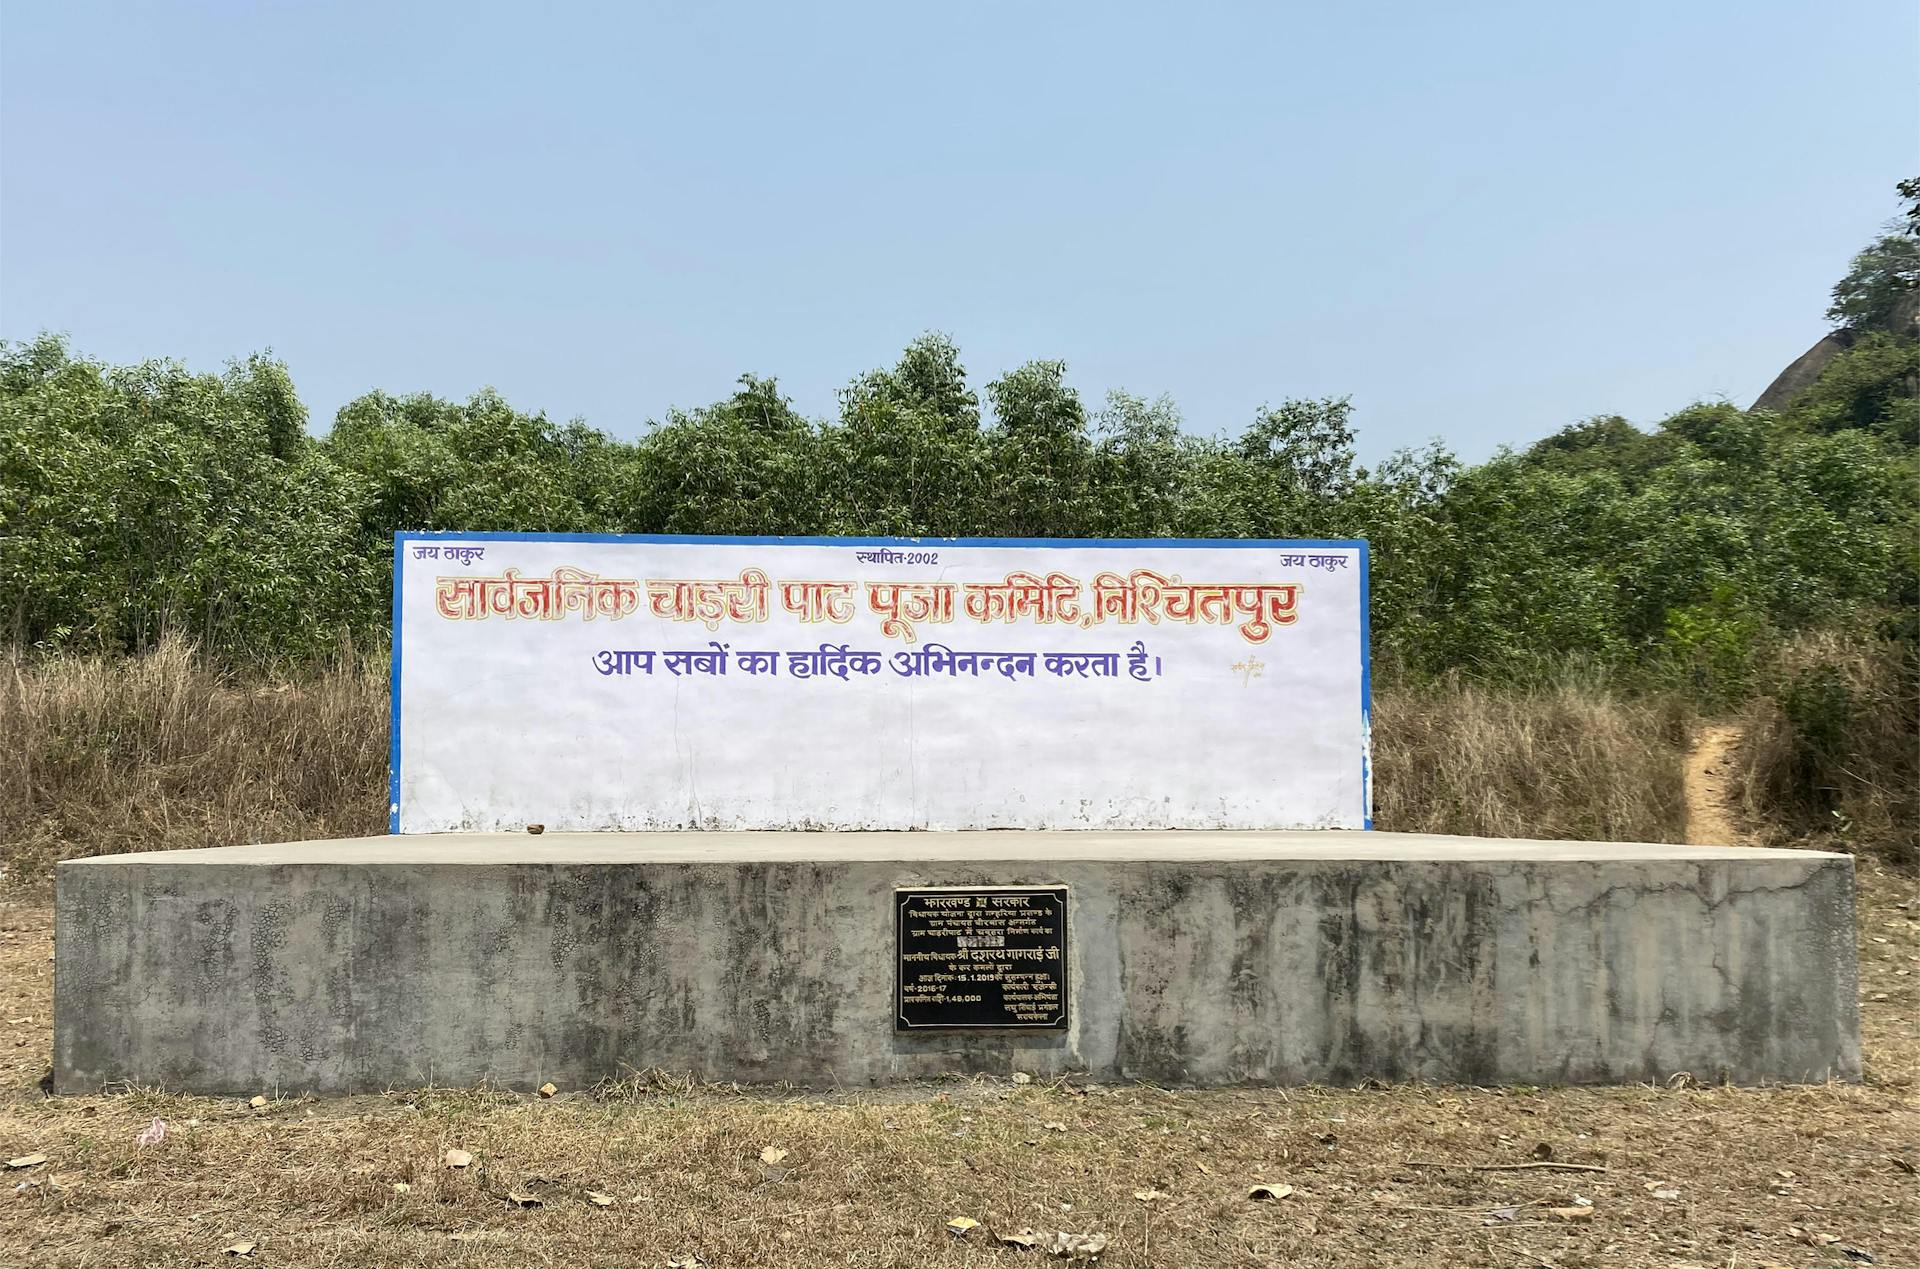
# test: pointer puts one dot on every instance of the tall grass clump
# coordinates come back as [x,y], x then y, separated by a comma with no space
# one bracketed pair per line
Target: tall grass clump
[1566,759]
[109,754]
[1833,749]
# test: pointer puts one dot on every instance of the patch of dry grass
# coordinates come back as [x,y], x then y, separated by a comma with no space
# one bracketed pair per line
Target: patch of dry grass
[873,1184]
[103,755]
[870,1179]
[1564,761]
[1887,918]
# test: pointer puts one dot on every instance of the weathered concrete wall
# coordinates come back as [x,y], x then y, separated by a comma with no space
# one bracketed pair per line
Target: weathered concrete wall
[1194,958]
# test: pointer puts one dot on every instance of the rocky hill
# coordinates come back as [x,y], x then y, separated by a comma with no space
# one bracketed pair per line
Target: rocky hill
[1801,373]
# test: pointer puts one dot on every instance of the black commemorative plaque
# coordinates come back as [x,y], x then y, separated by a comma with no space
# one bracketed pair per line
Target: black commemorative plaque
[980,956]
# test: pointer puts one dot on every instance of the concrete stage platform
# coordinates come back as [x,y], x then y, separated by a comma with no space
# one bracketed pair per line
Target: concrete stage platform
[1191,958]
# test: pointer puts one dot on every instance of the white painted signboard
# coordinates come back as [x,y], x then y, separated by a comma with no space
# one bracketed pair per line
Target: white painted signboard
[593,682]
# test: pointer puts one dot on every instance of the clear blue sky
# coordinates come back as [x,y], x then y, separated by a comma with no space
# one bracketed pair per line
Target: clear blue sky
[1481,221]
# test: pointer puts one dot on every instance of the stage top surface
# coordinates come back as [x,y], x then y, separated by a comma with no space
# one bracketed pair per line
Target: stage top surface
[1019,846]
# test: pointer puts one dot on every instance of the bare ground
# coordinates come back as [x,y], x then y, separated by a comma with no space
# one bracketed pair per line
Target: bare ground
[1709,772]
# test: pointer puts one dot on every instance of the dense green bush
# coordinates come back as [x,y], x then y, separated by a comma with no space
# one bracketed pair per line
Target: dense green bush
[1831,745]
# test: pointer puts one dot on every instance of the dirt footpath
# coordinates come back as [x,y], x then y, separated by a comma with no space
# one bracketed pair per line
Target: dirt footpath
[1710,805]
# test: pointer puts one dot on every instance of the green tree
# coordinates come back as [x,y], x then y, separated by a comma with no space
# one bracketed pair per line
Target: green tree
[748,465]
[1041,456]
[908,456]
[1142,468]
[141,501]
[1880,276]
[1310,442]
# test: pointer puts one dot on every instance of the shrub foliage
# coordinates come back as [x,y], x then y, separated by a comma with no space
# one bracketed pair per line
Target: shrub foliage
[146,501]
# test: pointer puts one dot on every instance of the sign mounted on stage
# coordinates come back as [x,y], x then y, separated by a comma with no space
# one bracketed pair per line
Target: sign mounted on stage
[593,682]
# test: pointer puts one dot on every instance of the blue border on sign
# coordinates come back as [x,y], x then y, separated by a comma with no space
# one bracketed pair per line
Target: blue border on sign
[393,693]
[1366,686]
[403,536]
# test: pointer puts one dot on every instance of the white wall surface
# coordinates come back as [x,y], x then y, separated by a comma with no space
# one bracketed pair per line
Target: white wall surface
[511,708]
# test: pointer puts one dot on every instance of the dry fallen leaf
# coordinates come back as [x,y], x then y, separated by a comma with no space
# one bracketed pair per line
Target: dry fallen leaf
[1150,1194]
[686,1262]
[1026,1240]
[240,1249]
[1263,1192]
[1021,1077]
[772,1155]
[961,1226]
[1572,1213]
[258,1103]
[598,1199]
[520,1198]
[27,1161]
[1203,1167]
[1666,1196]
[401,1187]
[1054,1125]
[1810,1238]
[548,1090]
[1077,1246]
[458,1158]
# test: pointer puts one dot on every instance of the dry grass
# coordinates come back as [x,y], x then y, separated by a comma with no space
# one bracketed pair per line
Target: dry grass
[164,751]
[870,1179]
[1835,751]
[1565,761]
